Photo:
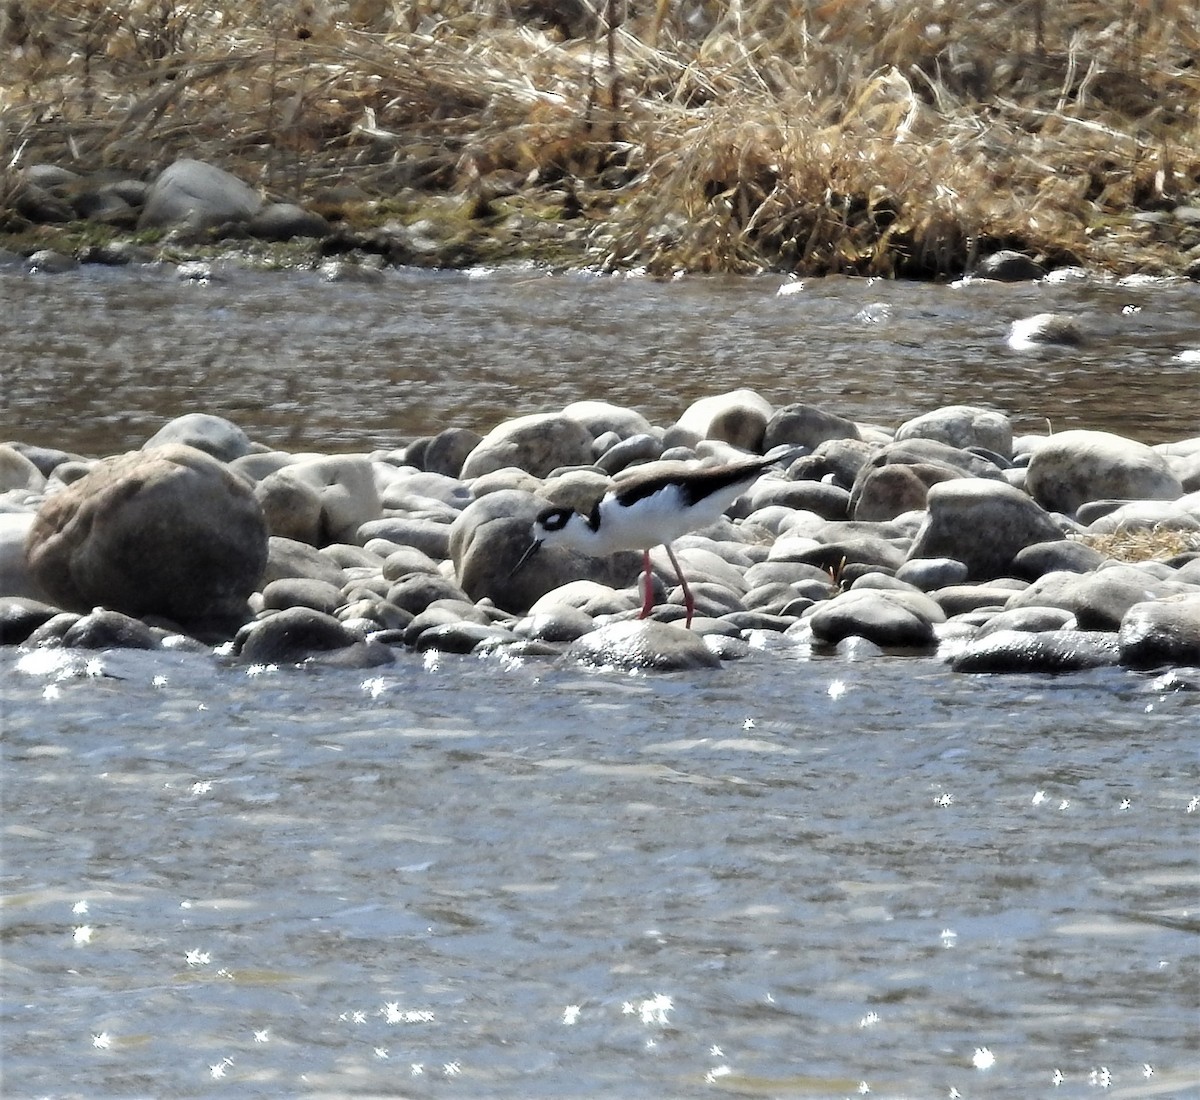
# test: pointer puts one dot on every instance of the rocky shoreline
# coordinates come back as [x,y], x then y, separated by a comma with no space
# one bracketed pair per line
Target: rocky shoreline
[946,537]
[193,210]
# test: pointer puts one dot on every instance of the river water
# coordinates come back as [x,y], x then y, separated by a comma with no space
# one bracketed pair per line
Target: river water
[462,877]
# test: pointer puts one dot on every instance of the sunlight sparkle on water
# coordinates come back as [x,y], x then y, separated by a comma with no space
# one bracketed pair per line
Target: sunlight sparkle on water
[82,934]
[102,1041]
[80,907]
[837,688]
[983,1058]
[570,1014]
[196,957]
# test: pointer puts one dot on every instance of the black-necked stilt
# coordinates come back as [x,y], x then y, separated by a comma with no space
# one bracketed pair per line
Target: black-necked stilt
[647,509]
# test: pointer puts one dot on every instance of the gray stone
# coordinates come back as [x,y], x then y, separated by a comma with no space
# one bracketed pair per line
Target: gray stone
[169,532]
[1058,556]
[599,417]
[417,591]
[984,524]
[291,636]
[1046,651]
[302,592]
[1074,467]
[428,536]
[826,501]
[284,221]
[632,451]
[291,508]
[930,573]
[197,195]
[288,558]
[643,645]
[738,418]
[885,492]
[878,616]
[807,426]
[1161,632]
[536,444]
[462,637]
[214,435]
[20,616]
[18,472]
[962,426]
[1031,620]
[1098,600]
[102,629]
[1008,266]
[446,452]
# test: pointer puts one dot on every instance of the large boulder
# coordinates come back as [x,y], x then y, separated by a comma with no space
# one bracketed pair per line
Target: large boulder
[982,523]
[169,532]
[537,444]
[197,195]
[1073,467]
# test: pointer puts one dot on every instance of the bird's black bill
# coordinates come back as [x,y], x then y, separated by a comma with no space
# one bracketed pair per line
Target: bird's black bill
[534,547]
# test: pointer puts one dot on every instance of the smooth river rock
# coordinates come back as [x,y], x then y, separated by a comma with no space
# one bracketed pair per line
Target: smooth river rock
[1074,467]
[644,645]
[169,532]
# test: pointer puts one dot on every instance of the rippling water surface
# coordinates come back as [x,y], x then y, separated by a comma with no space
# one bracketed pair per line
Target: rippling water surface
[464,878]
[95,362]
[475,879]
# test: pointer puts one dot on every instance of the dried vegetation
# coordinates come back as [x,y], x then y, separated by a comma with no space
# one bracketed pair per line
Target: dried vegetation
[889,137]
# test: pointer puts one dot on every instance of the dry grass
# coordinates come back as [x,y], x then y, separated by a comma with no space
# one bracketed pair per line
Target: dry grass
[1144,544]
[893,137]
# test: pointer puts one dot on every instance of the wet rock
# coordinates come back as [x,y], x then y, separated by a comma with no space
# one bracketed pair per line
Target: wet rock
[738,418]
[962,426]
[984,524]
[49,635]
[807,426]
[20,616]
[1074,467]
[46,261]
[959,599]
[291,636]
[1045,329]
[197,195]
[214,435]
[878,616]
[1150,515]
[1161,632]
[1007,266]
[109,630]
[1047,651]
[463,637]
[168,532]
[558,624]
[536,444]
[643,645]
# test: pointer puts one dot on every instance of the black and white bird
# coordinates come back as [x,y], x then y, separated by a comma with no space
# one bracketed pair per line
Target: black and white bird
[645,510]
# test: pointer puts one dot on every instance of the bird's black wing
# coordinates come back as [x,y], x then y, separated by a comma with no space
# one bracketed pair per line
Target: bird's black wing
[699,482]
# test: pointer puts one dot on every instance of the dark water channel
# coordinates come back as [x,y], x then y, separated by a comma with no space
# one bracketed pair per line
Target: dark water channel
[455,877]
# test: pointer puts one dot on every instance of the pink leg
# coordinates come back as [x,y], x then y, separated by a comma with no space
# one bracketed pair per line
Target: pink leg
[688,602]
[648,582]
